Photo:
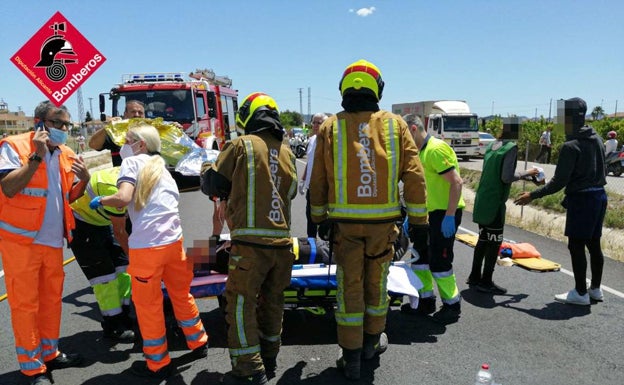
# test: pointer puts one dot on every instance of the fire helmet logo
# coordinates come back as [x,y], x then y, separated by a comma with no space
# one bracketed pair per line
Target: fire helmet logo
[58,62]
[56,45]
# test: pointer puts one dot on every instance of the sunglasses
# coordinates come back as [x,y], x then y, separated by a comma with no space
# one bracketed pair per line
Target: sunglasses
[60,123]
[317,122]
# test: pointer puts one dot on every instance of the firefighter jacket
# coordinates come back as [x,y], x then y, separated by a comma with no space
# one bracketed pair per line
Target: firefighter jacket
[263,178]
[21,216]
[492,193]
[102,183]
[360,158]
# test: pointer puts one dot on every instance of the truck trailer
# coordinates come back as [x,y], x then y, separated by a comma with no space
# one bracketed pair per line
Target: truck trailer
[449,120]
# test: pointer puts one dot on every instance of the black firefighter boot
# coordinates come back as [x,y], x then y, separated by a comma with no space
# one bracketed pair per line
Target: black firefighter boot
[374,345]
[350,363]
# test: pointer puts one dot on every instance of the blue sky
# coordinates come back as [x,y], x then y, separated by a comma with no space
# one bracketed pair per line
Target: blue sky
[505,57]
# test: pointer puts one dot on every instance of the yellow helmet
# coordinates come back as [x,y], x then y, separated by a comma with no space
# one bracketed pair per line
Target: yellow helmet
[254,102]
[361,77]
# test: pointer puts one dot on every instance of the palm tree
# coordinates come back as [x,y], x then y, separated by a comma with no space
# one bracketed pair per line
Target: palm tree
[597,113]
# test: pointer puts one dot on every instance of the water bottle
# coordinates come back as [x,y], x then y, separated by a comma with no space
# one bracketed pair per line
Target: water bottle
[484,376]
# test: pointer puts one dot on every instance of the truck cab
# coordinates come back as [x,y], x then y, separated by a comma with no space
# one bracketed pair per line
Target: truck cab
[449,120]
[204,105]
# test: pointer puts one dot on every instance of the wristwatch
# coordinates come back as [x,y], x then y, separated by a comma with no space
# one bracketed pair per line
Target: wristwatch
[34,157]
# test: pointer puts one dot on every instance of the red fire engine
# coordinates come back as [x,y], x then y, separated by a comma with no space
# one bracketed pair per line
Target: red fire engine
[205,104]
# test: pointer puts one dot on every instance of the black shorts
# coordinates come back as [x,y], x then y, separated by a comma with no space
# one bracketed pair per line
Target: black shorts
[585,214]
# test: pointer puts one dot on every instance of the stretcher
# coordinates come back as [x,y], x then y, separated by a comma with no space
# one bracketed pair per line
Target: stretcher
[313,282]
[532,264]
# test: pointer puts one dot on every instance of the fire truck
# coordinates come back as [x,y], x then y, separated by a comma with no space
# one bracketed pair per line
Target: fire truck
[203,104]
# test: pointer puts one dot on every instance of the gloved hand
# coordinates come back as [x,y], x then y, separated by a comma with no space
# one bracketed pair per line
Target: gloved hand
[325,230]
[448,226]
[419,235]
[95,203]
[302,189]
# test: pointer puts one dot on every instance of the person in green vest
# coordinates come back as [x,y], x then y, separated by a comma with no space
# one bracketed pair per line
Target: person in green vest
[100,245]
[499,171]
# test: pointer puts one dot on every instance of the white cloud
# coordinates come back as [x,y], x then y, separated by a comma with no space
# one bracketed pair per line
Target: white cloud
[363,12]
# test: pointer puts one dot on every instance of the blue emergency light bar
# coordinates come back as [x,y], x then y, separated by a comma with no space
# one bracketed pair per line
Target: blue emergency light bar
[153,77]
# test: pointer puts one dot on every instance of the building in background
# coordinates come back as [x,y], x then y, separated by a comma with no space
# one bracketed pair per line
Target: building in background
[14,122]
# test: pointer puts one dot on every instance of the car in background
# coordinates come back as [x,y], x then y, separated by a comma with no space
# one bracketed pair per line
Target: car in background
[484,141]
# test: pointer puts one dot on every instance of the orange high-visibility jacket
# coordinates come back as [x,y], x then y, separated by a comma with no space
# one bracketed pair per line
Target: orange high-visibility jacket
[21,216]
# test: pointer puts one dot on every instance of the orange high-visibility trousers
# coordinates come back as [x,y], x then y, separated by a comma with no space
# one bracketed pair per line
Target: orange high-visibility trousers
[148,267]
[34,283]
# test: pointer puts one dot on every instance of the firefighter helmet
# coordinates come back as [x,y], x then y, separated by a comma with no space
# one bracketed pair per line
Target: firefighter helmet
[254,102]
[361,77]
[611,134]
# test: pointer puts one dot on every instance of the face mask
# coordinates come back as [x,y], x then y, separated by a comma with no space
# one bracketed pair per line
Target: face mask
[56,136]
[126,151]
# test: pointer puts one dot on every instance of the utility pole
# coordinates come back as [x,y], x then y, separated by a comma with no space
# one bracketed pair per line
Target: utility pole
[300,102]
[91,107]
[549,109]
[80,109]
[309,103]
[615,115]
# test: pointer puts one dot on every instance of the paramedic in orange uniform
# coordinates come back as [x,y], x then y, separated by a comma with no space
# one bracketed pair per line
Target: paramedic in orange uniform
[156,250]
[37,178]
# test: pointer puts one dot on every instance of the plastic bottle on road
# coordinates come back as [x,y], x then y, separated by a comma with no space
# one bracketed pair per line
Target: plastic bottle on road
[484,376]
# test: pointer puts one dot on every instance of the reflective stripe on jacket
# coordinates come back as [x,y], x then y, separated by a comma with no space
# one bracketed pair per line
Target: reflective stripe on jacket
[21,216]
[264,181]
[361,158]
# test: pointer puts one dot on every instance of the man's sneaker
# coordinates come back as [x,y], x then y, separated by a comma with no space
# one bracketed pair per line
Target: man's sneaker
[255,379]
[374,345]
[425,306]
[63,361]
[39,379]
[448,314]
[595,294]
[200,352]
[491,287]
[140,369]
[573,297]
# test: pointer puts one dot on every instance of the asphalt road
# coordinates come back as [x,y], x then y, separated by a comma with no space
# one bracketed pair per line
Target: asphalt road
[525,336]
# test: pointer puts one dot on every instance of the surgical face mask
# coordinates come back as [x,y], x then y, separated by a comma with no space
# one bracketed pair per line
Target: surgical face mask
[126,151]
[56,136]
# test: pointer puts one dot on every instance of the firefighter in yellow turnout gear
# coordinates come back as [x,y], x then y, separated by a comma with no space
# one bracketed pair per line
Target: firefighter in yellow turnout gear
[444,205]
[257,176]
[361,155]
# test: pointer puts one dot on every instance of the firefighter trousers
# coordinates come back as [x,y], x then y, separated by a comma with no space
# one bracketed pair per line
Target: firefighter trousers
[363,253]
[148,267]
[254,295]
[34,283]
[104,263]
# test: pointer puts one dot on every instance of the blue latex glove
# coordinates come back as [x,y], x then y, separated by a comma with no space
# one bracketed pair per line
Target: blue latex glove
[95,203]
[448,226]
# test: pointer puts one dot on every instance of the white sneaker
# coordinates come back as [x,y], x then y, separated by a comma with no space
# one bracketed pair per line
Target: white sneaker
[595,294]
[573,297]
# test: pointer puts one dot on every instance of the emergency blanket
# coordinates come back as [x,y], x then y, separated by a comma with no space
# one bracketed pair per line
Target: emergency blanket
[174,142]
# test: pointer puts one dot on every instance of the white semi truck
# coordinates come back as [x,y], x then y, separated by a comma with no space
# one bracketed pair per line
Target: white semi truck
[449,120]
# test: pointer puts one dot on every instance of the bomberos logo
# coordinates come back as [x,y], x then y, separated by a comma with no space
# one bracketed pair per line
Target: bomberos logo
[58,59]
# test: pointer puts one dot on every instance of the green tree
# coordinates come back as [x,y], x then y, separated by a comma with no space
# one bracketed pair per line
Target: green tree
[597,113]
[291,119]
